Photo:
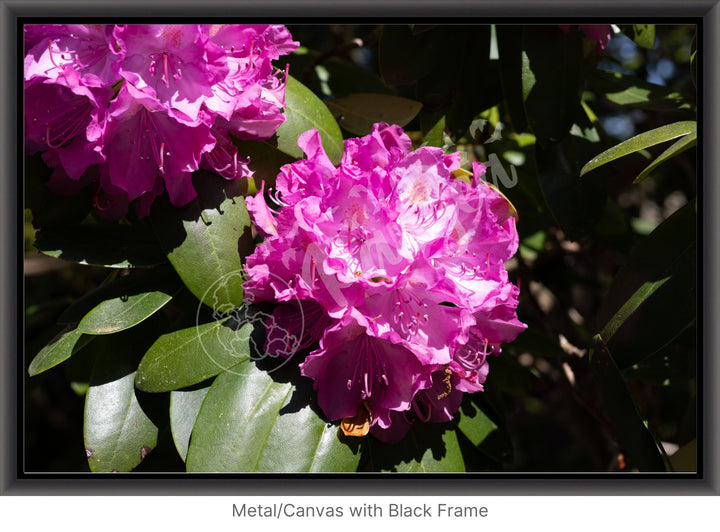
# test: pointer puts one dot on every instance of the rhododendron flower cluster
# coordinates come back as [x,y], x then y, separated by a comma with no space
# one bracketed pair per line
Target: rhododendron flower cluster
[394,269]
[136,109]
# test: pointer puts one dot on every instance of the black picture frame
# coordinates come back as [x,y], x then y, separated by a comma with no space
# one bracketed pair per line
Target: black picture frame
[14,482]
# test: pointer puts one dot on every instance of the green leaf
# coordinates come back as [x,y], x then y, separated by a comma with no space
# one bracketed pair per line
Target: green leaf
[304,111]
[640,142]
[189,356]
[685,143]
[111,246]
[204,240]
[184,408]
[653,297]
[62,347]
[114,315]
[476,425]
[358,112]
[249,422]
[551,80]
[639,445]
[426,448]
[435,136]
[633,91]
[118,433]
[481,421]
[136,282]
[642,34]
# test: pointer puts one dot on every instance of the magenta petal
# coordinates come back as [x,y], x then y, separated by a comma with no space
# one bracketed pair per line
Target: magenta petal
[86,48]
[260,213]
[311,143]
[146,143]
[351,368]
[171,63]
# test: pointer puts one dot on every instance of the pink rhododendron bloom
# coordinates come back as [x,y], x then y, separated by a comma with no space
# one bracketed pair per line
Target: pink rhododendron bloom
[353,368]
[173,63]
[87,48]
[135,109]
[145,144]
[59,119]
[596,32]
[401,268]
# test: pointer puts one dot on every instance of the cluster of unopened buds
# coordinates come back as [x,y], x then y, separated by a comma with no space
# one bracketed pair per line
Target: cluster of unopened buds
[134,110]
[392,265]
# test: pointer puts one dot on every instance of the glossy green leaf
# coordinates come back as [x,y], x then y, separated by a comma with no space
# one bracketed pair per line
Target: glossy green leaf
[304,111]
[118,433]
[633,91]
[640,142]
[115,287]
[204,240]
[435,136]
[426,448]
[653,298]
[184,408]
[642,34]
[189,356]
[551,80]
[639,446]
[249,422]
[358,112]
[114,315]
[684,143]
[476,425]
[481,419]
[62,347]
[111,246]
